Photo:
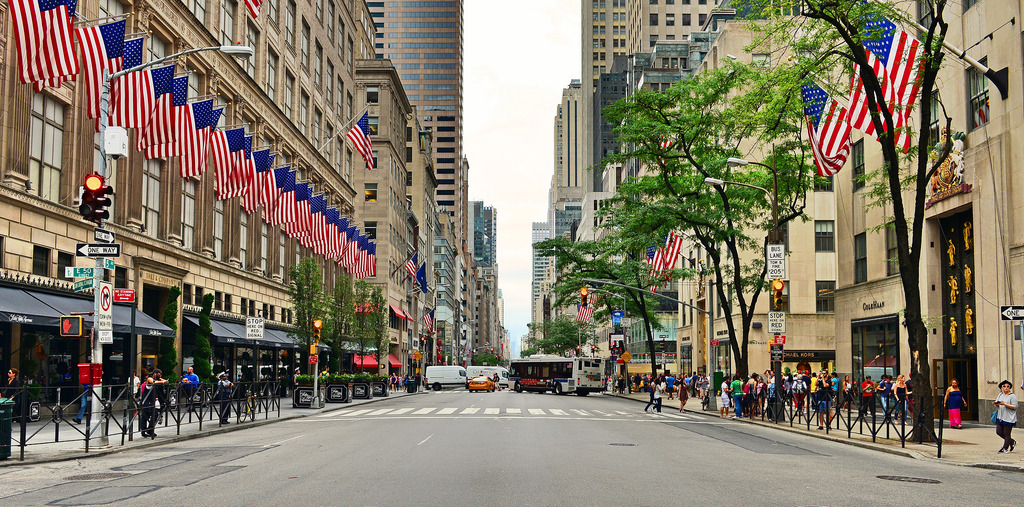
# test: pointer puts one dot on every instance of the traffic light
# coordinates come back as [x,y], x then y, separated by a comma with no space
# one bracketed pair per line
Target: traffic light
[316,329]
[93,205]
[71,326]
[777,298]
[584,292]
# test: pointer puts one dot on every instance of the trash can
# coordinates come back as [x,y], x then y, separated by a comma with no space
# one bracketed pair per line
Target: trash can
[410,386]
[6,416]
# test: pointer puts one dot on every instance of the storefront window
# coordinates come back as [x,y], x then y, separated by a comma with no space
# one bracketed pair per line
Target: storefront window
[876,349]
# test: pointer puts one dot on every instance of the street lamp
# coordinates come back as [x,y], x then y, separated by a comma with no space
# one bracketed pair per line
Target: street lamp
[773,238]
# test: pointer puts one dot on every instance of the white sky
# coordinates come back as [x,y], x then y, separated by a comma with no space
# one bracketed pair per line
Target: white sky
[518,58]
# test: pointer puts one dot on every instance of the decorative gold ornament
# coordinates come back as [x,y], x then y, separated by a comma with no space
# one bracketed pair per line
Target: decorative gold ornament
[954,289]
[968,320]
[967,235]
[951,252]
[952,331]
[967,278]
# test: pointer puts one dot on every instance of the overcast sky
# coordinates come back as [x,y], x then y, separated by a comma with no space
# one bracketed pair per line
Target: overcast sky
[519,57]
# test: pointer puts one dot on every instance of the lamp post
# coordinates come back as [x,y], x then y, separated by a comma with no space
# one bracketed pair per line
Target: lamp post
[97,348]
[773,238]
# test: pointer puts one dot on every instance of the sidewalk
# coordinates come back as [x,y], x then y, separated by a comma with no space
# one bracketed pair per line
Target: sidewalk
[42,449]
[974,445]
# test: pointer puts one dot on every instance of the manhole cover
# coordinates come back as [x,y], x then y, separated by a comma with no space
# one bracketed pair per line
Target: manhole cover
[900,478]
[98,477]
[621,444]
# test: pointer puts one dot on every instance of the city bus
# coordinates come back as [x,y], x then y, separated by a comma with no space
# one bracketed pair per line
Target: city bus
[542,373]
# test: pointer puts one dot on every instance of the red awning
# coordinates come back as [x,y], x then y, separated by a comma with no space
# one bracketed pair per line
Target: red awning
[365,361]
[393,361]
[400,313]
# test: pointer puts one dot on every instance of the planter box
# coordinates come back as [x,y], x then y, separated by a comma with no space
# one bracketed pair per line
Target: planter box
[338,393]
[380,388]
[361,391]
[303,397]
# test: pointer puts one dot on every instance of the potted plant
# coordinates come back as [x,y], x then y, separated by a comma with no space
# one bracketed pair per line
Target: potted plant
[338,390]
[303,395]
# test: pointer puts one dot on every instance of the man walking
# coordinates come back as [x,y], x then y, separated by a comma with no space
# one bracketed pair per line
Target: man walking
[670,382]
[224,395]
[867,396]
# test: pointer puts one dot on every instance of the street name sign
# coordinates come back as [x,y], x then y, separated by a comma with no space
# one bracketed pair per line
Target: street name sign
[617,317]
[776,353]
[104,313]
[103,235]
[124,295]
[98,250]
[86,284]
[1011,312]
[776,322]
[109,264]
[73,272]
[254,328]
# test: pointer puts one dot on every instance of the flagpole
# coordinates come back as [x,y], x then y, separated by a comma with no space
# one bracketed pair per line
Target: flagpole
[343,127]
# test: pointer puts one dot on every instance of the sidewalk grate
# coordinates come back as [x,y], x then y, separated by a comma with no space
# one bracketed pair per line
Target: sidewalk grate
[98,477]
[900,478]
[622,444]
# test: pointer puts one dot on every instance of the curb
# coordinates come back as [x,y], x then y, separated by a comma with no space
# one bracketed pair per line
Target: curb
[80,454]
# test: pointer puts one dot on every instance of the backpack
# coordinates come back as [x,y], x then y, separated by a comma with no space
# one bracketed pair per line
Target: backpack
[798,386]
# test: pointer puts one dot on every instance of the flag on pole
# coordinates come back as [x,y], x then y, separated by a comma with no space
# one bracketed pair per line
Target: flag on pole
[584,313]
[828,129]
[253,6]
[410,266]
[282,209]
[898,52]
[359,134]
[428,321]
[102,51]
[132,96]
[157,139]
[225,144]
[262,187]
[194,135]
[421,277]
[860,111]
[43,39]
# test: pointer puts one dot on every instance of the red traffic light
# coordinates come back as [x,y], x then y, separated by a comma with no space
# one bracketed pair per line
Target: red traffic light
[93,182]
[778,285]
[584,292]
[93,205]
[317,324]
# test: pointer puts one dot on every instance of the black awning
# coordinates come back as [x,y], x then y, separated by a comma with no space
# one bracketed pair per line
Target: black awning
[280,338]
[122,314]
[224,333]
[19,307]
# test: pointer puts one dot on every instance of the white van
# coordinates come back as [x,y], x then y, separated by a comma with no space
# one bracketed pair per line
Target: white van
[439,377]
[489,371]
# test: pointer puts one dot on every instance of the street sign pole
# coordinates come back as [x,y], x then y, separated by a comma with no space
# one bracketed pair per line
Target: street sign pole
[96,405]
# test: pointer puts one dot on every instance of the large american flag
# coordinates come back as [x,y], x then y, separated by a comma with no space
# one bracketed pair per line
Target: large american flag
[301,225]
[225,144]
[673,243]
[584,313]
[351,254]
[899,53]
[102,50]
[43,38]
[283,208]
[828,128]
[860,111]
[194,135]
[359,134]
[157,139]
[262,187]
[253,6]
[410,266]
[132,97]
[428,321]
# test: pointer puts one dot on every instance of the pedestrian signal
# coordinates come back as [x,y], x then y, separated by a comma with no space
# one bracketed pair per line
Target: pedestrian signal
[71,326]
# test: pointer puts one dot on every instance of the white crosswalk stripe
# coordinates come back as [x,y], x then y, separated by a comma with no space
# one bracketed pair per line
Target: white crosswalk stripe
[446,411]
[354,413]
[578,411]
[571,414]
[555,411]
[470,410]
[513,411]
[381,411]
[536,411]
[401,411]
[492,411]
[424,411]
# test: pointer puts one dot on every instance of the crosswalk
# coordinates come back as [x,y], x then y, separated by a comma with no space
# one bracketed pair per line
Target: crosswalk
[499,412]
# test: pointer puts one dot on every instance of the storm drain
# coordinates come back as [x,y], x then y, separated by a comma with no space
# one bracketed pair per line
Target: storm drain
[98,477]
[622,444]
[900,478]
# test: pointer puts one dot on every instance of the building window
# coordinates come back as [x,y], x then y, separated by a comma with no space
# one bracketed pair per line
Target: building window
[289,24]
[289,93]
[64,260]
[272,11]
[860,258]
[374,123]
[370,230]
[263,248]
[824,236]
[271,85]
[318,65]
[46,145]
[329,93]
[243,239]
[892,251]
[218,230]
[858,165]
[762,59]
[303,112]
[372,94]
[876,349]
[304,49]
[977,92]
[252,39]
[701,18]
[40,261]
[227,23]
[825,296]
[823,183]
[188,214]
[120,277]
[151,172]
[199,10]
[370,192]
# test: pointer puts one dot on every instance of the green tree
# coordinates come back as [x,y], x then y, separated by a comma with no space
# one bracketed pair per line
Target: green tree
[528,352]
[485,359]
[337,326]
[203,352]
[561,335]
[370,322]
[306,292]
[168,360]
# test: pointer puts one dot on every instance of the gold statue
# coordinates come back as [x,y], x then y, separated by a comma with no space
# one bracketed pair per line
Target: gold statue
[951,251]
[953,289]
[967,235]
[967,278]
[952,331]
[968,320]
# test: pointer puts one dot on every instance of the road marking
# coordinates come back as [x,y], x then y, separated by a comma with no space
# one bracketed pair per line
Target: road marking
[555,411]
[281,442]
[470,410]
[602,413]
[356,412]
[381,411]
[492,411]
[621,412]
[425,439]
[401,411]
[536,411]
[513,411]
[424,411]
[446,411]
[579,412]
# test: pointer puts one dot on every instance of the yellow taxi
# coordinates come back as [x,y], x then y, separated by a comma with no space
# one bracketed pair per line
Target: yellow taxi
[481,383]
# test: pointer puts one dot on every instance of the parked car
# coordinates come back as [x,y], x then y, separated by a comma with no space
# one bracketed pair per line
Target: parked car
[481,383]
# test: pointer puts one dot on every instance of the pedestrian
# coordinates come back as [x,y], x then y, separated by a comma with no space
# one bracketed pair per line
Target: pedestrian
[799,388]
[737,396]
[650,392]
[684,394]
[703,385]
[1006,415]
[147,398]
[726,400]
[750,396]
[901,392]
[867,396]
[884,391]
[86,391]
[670,383]
[823,397]
[224,395]
[190,383]
[497,386]
[659,391]
[953,402]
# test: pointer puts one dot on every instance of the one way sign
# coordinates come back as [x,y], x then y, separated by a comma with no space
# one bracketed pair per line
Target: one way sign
[98,250]
[1011,312]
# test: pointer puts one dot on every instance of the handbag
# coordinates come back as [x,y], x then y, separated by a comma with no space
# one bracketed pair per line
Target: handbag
[995,417]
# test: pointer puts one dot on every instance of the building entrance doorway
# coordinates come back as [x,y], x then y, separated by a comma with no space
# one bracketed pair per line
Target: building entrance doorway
[965,372]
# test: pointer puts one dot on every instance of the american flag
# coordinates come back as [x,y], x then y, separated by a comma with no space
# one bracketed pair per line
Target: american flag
[673,243]
[318,224]
[652,259]
[410,266]
[899,54]
[132,97]
[341,224]
[225,144]
[283,209]
[860,112]
[262,187]
[371,258]
[351,254]
[300,204]
[358,268]
[195,126]
[253,7]
[43,38]
[56,82]
[157,139]
[245,172]
[428,321]
[828,130]
[359,134]
[102,50]
[584,313]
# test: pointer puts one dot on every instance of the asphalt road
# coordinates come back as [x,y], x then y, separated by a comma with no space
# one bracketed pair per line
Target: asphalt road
[505,449]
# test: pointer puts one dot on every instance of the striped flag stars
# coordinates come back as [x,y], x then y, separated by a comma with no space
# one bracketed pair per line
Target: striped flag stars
[359,134]
[828,129]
